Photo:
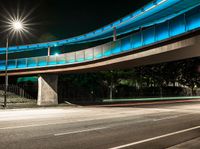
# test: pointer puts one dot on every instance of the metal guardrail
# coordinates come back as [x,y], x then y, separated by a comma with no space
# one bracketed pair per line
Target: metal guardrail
[152,13]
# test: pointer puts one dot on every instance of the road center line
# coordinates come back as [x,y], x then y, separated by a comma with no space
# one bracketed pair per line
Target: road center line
[79,131]
[155,138]
[170,117]
[68,122]
[166,118]
[57,123]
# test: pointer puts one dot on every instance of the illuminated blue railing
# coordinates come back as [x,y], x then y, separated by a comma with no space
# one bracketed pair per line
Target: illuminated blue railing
[155,12]
[175,27]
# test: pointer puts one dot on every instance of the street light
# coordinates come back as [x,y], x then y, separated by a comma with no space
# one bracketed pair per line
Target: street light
[56,54]
[15,26]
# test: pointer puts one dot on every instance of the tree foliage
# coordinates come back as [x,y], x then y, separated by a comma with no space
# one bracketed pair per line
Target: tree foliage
[105,84]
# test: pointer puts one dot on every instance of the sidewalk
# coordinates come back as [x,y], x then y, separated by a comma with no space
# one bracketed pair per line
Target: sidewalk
[32,105]
[19,105]
[192,144]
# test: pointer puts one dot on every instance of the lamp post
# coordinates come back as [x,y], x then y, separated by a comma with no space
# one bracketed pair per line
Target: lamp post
[114,34]
[6,73]
[16,26]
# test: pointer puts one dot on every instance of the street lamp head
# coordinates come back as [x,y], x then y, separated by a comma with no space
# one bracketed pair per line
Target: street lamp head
[17,25]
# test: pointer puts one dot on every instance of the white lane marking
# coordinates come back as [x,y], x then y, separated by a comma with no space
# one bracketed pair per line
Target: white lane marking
[155,138]
[170,117]
[79,131]
[64,122]
[58,123]
[26,126]
[69,122]
[166,118]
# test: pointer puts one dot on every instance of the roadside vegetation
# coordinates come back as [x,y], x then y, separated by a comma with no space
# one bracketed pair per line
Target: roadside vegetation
[181,78]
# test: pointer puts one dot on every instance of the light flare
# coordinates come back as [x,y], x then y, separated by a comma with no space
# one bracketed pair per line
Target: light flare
[17,23]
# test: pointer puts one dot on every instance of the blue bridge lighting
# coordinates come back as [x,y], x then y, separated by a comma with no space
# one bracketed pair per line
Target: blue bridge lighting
[158,21]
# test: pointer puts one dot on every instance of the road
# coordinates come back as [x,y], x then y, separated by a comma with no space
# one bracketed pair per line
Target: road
[147,126]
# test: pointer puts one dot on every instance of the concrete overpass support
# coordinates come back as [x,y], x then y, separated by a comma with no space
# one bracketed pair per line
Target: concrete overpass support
[47,89]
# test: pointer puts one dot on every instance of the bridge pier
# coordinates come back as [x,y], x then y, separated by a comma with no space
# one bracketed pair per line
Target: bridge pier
[47,89]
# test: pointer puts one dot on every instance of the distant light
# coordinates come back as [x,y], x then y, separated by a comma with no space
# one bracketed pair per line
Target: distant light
[56,54]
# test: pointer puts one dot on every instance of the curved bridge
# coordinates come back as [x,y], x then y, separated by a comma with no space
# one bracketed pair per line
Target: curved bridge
[170,50]
[164,30]
[155,12]
[113,52]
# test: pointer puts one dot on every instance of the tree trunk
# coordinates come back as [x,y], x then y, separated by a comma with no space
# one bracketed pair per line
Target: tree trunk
[111,90]
[193,91]
[161,91]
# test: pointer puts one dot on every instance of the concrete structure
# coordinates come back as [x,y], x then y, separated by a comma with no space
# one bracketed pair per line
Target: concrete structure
[172,34]
[47,90]
[169,50]
[153,13]
[187,47]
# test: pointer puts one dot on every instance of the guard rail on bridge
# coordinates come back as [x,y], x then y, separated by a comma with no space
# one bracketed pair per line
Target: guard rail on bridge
[175,27]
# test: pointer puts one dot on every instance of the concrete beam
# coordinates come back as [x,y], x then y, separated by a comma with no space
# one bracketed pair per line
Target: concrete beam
[47,89]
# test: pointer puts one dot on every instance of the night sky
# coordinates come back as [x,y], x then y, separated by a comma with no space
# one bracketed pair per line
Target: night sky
[66,18]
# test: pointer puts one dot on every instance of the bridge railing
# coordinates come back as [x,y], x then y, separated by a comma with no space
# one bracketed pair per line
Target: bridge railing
[144,37]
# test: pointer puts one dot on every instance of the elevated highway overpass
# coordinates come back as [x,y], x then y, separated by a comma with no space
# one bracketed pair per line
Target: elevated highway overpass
[153,13]
[173,39]
[183,47]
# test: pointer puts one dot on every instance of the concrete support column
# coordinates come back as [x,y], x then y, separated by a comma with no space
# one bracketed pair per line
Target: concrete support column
[47,89]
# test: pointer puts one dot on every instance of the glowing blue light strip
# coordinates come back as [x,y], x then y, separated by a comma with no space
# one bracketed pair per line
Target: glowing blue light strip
[175,27]
[106,32]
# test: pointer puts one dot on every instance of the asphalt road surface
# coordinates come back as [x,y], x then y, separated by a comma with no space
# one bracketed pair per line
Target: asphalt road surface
[148,126]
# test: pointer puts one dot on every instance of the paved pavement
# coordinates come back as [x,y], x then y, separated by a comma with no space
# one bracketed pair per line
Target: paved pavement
[146,126]
[192,144]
